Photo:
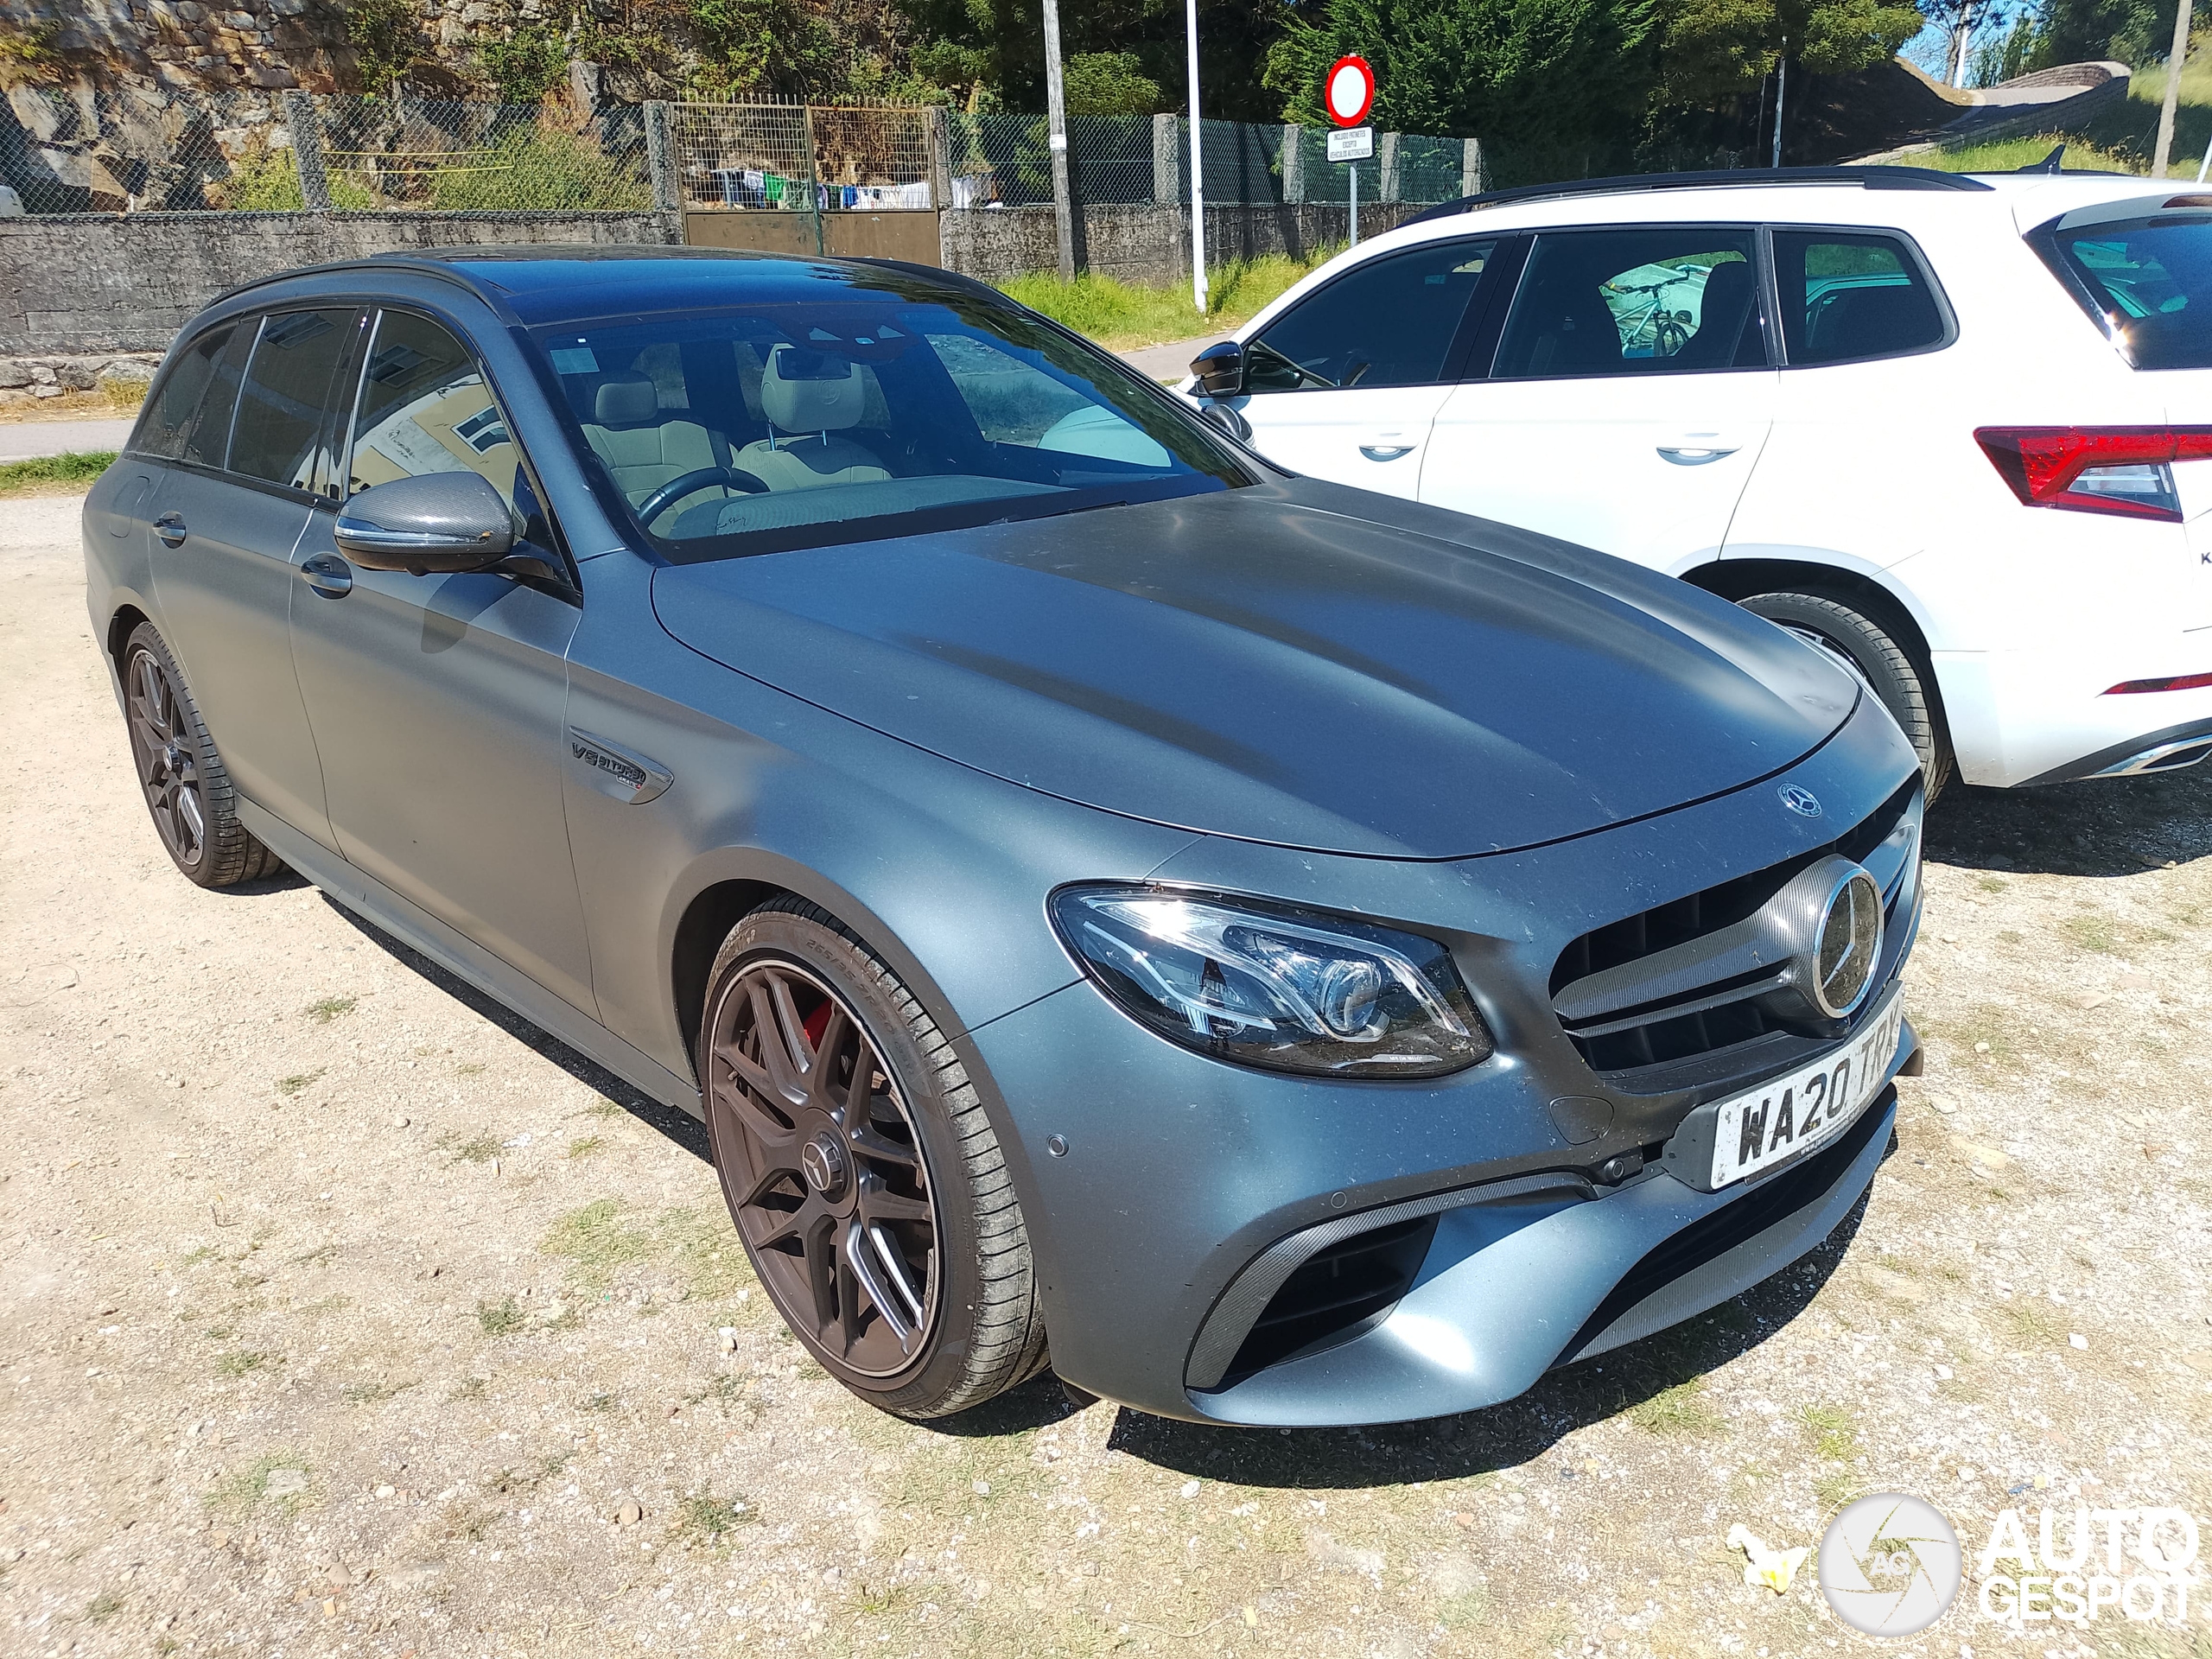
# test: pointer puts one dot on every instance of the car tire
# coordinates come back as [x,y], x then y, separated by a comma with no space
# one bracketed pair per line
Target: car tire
[888,1236]
[1869,647]
[187,788]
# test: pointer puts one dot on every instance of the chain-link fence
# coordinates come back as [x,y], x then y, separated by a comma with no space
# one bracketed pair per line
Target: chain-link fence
[133,150]
[126,150]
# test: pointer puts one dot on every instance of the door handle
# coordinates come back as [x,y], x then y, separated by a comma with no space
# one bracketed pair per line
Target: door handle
[170,528]
[328,575]
[1385,451]
[1696,455]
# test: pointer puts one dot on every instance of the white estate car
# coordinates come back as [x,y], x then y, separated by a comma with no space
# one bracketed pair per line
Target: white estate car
[1954,429]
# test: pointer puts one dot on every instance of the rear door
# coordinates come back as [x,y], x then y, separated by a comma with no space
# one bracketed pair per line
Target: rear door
[1629,395]
[1345,384]
[227,515]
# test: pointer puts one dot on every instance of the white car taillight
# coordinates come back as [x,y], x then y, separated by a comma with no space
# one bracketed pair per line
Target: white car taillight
[2125,470]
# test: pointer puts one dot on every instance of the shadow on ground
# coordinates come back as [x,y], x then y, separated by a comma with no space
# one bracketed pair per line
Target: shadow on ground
[2103,827]
[682,1127]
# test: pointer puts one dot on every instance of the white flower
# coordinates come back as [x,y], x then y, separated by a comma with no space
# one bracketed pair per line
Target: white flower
[1774,1569]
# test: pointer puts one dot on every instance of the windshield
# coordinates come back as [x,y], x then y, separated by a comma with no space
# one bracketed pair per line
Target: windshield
[2152,280]
[801,423]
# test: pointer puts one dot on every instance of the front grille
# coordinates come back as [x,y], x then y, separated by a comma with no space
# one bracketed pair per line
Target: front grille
[1338,1293]
[1667,1044]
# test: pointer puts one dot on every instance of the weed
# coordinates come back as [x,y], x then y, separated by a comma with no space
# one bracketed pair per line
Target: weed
[594,1238]
[1465,1611]
[2030,1323]
[1835,1434]
[103,1607]
[722,1390]
[600,1401]
[79,467]
[1680,1410]
[587,1146]
[1993,883]
[469,1521]
[479,1148]
[370,1394]
[329,1008]
[194,1257]
[239,1361]
[470,1069]
[500,1319]
[703,1519]
[309,1258]
[469,1388]
[1835,1488]
[281,1479]
[1122,315]
[297,1081]
[2092,933]
[2012,935]
[325,1305]
[705,1252]
[601,1107]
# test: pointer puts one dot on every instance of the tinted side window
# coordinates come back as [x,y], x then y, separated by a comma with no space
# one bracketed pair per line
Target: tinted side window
[1390,322]
[285,401]
[425,409]
[1845,297]
[1636,303]
[196,385]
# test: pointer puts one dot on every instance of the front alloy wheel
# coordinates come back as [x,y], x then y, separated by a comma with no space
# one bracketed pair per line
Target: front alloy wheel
[863,1174]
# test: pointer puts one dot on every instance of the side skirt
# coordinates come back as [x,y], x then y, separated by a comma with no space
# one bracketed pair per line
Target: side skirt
[388,913]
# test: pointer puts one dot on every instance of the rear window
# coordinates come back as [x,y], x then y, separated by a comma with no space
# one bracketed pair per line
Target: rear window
[2152,280]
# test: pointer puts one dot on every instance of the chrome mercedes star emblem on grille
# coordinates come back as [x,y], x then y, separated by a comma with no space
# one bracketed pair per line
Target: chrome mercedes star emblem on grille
[1841,969]
[1801,800]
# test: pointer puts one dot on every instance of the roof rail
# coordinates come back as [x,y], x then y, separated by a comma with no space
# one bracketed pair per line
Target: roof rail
[1866,178]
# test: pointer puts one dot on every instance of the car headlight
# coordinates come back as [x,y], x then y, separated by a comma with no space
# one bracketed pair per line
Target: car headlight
[1284,989]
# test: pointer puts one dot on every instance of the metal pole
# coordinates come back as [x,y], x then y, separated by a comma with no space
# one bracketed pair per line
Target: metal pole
[1781,85]
[1198,167]
[1055,124]
[813,180]
[2173,90]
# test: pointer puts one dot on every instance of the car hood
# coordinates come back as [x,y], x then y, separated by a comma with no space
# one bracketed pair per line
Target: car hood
[1291,663]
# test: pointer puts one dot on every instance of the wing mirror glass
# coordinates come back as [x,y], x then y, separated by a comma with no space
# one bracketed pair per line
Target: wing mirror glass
[1220,370]
[434,524]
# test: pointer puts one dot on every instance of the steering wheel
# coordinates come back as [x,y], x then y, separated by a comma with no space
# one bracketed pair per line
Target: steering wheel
[676,488]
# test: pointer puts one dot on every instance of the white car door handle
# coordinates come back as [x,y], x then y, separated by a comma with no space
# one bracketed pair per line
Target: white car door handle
[1385,451]
[1695,453]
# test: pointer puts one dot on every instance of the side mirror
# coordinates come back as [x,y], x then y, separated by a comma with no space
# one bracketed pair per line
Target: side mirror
[436,523]
[1220,370]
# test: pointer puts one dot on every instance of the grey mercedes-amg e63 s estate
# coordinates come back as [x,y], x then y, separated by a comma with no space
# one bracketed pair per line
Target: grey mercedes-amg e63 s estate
[1305,957]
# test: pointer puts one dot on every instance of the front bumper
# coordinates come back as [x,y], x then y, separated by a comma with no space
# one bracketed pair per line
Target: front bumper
[1169,1175]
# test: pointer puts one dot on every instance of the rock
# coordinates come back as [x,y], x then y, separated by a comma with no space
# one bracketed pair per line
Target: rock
[1327,1552]
[2138,981]
[74,377]
[2155,1149]
[2090,1000]
[46,392]
[982,1488]
[1190,1489]
[1895,1286]
[14,372]
[1981,1048]
[1942,1103]
[2199,1362]
[1986,1157]
[2077,1340]
[285,1483]
[336,1577]
[400,1121]
[629,1513]
[44,376]
[386,1491]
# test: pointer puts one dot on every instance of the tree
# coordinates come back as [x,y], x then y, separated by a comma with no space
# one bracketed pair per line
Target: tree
[1961,20]
[1714,49]
[1551,85]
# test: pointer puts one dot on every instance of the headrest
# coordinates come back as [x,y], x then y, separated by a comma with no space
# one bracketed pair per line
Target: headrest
[803,391]
[627,400]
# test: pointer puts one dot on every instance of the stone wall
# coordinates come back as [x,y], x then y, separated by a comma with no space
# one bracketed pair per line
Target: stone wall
[1150,244]
[106,283]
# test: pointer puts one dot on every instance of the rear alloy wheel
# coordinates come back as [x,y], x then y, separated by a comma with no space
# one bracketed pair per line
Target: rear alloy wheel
[187,787]
[1868,649]
[866,1182]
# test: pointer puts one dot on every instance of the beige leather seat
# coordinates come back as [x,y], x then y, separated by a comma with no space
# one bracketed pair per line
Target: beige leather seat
[802,393]
[641,449]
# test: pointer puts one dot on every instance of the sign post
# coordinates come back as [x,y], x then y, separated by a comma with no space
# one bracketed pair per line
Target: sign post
[1198,168]
[1349,92]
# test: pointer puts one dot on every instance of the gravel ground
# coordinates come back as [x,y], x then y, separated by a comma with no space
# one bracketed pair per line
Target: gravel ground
[345,1312]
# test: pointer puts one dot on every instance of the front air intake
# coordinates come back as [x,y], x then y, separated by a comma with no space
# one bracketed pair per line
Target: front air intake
[1338,1294]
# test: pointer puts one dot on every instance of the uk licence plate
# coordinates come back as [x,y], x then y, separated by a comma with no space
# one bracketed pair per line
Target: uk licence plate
[1792,1114]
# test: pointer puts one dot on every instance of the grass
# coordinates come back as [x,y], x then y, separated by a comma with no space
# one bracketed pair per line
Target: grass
[597,1240]
[243,1488]
[329,1008]
[370,1394]
[1835,1434]
[2011,155]
[703,1519]
[239,1361]
[500,1319]
[1120,316]
[1680,1410]
[481,1148]
[2117,139]
[698,1246]
[587,1145]
[297,1081]
[41,472]
[103,1607]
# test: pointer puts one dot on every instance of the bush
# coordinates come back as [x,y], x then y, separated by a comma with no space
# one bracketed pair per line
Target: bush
[535,168]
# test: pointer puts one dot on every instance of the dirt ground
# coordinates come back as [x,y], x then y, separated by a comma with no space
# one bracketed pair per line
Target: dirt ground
[345,1314]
